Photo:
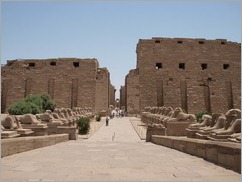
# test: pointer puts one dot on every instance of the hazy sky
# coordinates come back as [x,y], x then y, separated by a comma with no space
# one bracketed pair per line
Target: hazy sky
[109,31]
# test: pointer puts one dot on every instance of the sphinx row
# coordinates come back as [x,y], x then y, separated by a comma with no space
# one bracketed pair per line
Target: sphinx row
[218,127]
[61,120]
[169,121]
[166,121]
[164,115]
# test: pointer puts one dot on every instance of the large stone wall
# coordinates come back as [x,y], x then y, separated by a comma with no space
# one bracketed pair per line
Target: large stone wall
[195,74]
[122,96]
[132,92]
[102,89]
[112,91]
[71,82]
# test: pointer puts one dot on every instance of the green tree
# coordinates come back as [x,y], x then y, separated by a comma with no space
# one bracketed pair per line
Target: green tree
[32,104]
[47,103]
[23,107]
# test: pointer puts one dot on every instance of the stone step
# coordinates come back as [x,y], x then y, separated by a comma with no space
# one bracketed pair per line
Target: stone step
[9,134]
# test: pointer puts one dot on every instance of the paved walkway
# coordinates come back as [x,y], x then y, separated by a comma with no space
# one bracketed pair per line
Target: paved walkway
[139,127]
[113,153]
[118,130]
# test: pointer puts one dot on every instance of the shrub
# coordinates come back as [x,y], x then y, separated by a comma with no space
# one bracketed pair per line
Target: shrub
[32,104]
[98,118]
[23,107]
[83,125]
[47,103]
[200,114]
[35,99]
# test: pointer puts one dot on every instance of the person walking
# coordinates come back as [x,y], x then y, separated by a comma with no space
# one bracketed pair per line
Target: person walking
[107,119]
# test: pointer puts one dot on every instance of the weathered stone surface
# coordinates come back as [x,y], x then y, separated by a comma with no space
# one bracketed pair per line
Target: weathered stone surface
[9,134]
[22,144]
[177,128]
[227,154]
[195,74]
[191,148]
[132,92]
[154,130]
[103,113]
[39,130]
[122,97]
[71,82]
[72,131]
[201,149]
[212,152]
[180,145]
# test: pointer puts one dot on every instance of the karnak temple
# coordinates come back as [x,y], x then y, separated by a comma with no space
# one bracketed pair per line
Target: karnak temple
[70,82]
[174,81]
[194,74]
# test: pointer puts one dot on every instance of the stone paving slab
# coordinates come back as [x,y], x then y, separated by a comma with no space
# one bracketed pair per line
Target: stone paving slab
[99,158]
[119,130]
[139,127]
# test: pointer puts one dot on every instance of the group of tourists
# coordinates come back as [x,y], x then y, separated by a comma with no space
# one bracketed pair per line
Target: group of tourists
[119,113]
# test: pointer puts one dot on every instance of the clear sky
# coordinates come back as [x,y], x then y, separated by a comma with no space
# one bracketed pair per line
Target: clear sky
[109,31]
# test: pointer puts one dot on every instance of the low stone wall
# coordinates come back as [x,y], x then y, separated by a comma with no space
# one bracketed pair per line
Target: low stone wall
[177,128]
[71,130]
[226,154]
[154,131]
[17,145]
